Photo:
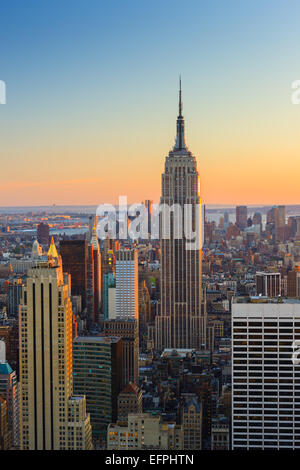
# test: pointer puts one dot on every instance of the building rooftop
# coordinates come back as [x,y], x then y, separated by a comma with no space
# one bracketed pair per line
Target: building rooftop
[264,300]
[193,401]
[176,352]
[97,339]
[131,388]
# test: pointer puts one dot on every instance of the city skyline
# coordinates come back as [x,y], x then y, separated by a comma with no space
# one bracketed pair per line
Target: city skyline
[149,228]
[96,101]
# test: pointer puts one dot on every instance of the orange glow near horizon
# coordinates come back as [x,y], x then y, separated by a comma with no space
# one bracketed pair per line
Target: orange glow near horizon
[253,161]
[241,179]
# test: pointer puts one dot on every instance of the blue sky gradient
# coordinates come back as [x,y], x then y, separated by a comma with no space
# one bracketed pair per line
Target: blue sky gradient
[92,91]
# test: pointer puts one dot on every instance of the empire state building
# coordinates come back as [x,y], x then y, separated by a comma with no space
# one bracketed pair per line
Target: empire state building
[181,316]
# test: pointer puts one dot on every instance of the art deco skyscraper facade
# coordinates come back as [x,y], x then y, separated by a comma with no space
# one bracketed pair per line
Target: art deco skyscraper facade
[180,322]
[51,417]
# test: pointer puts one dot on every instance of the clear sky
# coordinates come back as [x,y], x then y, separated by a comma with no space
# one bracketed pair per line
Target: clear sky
[92,98]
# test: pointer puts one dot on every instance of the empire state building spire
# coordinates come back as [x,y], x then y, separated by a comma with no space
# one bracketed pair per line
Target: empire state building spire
[181,317]
[180,142]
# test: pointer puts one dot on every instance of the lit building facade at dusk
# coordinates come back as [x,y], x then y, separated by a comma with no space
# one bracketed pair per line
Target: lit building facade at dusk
[181,319]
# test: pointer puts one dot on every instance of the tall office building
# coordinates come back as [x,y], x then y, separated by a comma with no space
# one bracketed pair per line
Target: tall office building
[241,217]
[74,259]
[51,417]
[10,334]
[129,332]
[14,296]
[93,222]
[43,233]
[276,226]
[293,283]
[268,284]
[108,257]
[97,274]
[9,390]
[144,308]
[109,285]
[127,302]
[180,322]
[93,295]
[98,376]
[148,204]
[280,227]
[5,433]
[265,373]
[90,285]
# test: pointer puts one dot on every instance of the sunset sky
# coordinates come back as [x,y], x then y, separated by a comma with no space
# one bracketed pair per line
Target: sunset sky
[92,99]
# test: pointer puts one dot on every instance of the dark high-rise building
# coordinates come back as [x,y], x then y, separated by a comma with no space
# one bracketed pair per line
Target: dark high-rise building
[5,433]
[276,227]
[226,218]
[43,233]
[107,260]
[241,217]
[90,285]
[9,390]
[14,296]
[97,366]
[144,308]
[10,334]
[74,259]
[293,284]
[180,322]
[292,224]
[148,204]
[128,331]
[93,279]
[257,218]
[268,284]
[109,281]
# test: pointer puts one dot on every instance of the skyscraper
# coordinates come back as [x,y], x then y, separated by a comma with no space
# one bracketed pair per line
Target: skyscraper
[181,320]
[148,204]
[51,417]
[43,233]
[265,374]
[129,332]
[5,433]
[9,390]
[109,284]
[241,217]
[74,258]
[127,291]
[268,284]
[93,294]
[98,376]
[14,296]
